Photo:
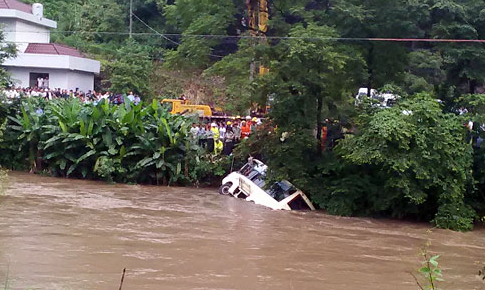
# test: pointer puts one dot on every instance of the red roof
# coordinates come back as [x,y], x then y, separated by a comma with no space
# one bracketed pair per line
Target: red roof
[52,48]
[16,5]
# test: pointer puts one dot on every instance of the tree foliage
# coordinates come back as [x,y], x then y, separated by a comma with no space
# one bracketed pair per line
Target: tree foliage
[423,154]
[131,69]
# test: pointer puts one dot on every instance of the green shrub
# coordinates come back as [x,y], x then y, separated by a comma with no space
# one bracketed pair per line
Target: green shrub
[424,158]
[124,143]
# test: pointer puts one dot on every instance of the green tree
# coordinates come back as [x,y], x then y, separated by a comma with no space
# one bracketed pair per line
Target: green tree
[131,70]
[195,17]
[101,16]
[386,61]
[307,78]
[473,107]
[305,81]
[241,90]
[425,157]
[425,71]
[464,63]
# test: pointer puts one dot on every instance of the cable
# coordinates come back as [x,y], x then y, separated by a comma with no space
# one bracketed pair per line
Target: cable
[357,39]
[160,34]
[156,32]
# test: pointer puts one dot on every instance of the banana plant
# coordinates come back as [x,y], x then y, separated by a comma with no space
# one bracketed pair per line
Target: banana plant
[124,143]
[28,127]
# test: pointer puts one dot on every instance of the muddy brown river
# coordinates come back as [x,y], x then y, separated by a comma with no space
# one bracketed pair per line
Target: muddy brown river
[71,234]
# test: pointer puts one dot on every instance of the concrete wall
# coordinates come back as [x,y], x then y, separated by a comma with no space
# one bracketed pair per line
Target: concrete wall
[8,27]
[22,33]
[58,78]
[82,80]
[54,61]
[17,14]
[31,33]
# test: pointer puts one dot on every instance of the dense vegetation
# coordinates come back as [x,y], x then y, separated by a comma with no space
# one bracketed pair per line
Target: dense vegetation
[100,28]
[116,143]
[415,160]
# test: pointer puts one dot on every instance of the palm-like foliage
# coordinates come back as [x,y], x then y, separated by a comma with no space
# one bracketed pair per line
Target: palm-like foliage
[125,143]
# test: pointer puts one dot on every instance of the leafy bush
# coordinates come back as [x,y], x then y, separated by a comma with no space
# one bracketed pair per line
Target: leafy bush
[409,161]
[124,143]
[424,158]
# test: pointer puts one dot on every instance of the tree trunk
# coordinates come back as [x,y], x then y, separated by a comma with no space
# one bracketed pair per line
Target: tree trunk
[319,124]
[370,69]
[472,86]
[186,171]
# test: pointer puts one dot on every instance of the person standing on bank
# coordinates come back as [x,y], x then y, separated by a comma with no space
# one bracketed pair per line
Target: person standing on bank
[202,136]
[229,139]
[210,138]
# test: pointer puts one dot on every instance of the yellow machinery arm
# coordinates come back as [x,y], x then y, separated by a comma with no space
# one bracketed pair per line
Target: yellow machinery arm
[258,16]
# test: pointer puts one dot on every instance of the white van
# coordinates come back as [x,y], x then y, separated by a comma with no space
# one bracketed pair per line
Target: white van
[249,183]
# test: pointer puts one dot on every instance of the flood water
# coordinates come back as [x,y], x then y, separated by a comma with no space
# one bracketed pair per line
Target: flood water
[71,234]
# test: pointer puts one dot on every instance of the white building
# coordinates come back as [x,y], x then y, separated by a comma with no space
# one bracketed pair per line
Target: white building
[64,67]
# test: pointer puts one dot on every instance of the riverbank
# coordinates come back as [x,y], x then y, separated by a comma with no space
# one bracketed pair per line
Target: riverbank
[77,234]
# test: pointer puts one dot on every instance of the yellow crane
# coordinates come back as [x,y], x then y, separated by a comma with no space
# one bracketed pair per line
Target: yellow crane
[258,16]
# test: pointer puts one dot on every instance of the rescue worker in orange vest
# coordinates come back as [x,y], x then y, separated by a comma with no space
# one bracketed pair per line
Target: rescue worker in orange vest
[245,130]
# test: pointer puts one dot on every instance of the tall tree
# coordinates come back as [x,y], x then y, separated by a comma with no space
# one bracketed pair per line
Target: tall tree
[131,70]
[195,17]
[464,63]
[386,61]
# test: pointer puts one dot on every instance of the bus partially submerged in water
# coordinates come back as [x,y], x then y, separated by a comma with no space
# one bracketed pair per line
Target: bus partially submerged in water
[250,183]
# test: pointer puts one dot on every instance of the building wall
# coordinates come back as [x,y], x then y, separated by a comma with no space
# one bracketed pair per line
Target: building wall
[22,33]
[29,17]
[31,33]
[54,61]
[9,26]
[58,78]
[82,80]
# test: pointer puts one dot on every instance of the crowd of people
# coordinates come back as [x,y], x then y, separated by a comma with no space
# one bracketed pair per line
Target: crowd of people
[88,97]
[221,137]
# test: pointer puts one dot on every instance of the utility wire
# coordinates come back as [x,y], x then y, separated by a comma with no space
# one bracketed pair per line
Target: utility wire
[156,32]
[162,35]
[356,39]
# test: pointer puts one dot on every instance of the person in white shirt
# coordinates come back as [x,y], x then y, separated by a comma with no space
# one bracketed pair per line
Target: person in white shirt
[194,132]
[131,97]
[222,131]
[46,83]
[40,82]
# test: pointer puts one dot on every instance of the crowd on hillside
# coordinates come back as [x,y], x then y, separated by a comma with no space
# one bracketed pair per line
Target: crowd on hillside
[221,137]
[85,97]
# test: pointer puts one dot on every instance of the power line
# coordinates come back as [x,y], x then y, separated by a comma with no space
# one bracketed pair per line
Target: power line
[314,38]
[160,34]
[156,32]
[165,35]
